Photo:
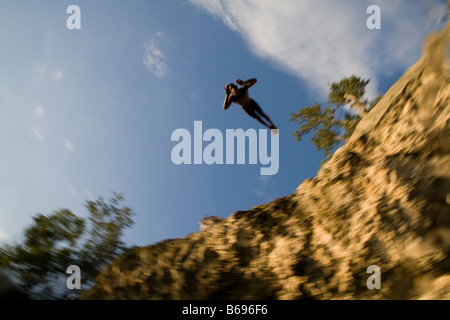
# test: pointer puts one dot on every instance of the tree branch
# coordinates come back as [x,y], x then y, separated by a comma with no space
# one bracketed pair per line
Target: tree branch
[356,105]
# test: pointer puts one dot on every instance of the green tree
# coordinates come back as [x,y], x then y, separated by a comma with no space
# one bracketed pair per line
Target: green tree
[333,124]
[48,248]
[53,243]
[107,222]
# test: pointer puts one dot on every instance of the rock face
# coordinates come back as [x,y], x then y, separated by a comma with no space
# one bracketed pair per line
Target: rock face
[383,199]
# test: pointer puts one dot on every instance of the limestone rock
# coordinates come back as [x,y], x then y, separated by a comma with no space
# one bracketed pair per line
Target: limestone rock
[383,199]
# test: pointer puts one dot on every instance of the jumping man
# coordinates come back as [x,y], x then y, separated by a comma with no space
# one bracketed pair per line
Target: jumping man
[241,97]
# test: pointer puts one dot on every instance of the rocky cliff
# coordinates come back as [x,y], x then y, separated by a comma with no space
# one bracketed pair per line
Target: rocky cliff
[383,199]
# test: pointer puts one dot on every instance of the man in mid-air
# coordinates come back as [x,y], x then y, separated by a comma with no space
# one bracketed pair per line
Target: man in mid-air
[241,97]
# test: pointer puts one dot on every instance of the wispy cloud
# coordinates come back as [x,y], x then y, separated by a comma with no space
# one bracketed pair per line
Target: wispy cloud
[68,145]
[58,75]
[42,72]
[154,59]
[3,234]
[37,133]
[38,112]
[324,41]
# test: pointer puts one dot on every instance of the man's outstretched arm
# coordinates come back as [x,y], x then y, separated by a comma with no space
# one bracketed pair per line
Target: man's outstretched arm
[248,83]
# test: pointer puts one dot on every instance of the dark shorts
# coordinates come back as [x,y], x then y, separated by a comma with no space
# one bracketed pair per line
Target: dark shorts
[252,108]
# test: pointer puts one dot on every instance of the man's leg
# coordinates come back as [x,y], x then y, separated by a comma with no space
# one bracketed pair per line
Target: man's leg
[261,121]
[265,116]
[253,114]
[254,111]
[273,129]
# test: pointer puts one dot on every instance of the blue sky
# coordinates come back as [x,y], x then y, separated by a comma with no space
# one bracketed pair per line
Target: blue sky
[90,111]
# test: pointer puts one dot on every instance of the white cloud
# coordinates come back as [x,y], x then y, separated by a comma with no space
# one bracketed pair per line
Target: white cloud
[38,111]
[3,234]
[324,41]
[58,75]
[37,133]
[68,145]
[154,59]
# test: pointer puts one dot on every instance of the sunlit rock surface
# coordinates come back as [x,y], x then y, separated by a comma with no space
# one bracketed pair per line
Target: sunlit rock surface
[383,199]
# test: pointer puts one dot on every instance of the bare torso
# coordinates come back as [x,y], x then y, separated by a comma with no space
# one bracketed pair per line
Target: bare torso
[243,98]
